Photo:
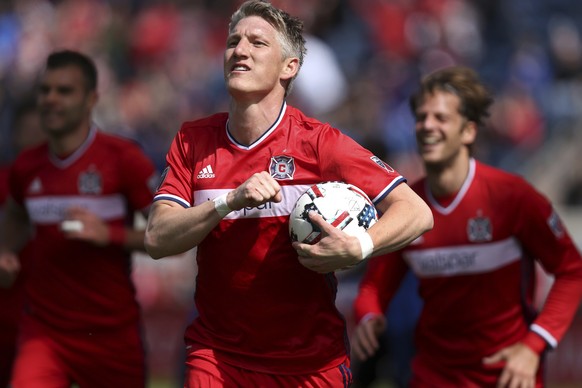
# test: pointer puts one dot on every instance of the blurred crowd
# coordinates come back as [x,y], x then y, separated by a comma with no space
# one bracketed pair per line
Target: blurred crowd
[160,63]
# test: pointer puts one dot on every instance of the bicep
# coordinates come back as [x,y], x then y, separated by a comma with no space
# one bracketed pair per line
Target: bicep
[163,208]
[401,194]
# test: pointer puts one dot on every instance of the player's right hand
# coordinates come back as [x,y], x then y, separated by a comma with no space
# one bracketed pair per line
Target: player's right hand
[365,337]
[260,188]
[9,268]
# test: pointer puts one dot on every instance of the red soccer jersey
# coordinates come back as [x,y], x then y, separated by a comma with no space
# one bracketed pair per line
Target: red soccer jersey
[259,308]
[74,285]
[475,269]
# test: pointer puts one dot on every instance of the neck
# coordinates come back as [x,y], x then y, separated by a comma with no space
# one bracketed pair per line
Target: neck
[248,122]
[64,144]
[447,179]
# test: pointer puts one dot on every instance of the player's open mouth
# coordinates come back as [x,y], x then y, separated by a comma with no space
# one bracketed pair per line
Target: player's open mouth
[428,140]
[240,68]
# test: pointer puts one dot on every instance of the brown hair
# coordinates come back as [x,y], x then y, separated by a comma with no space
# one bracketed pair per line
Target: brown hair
[462,82]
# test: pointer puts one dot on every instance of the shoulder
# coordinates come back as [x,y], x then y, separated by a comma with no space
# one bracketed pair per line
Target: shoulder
[507,187]
[30,157]
[114,140]
[121,149]
[213,122]
[299,119]
[497,176]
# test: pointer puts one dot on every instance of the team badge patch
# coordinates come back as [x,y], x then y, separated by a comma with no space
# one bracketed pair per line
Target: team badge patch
[90,182]
[479,229]
[380,163]
[555,224]
[162,178]
[282,167]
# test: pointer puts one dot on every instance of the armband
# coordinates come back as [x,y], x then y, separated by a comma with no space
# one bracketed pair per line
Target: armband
[221,206]
[117,235]
[366,244]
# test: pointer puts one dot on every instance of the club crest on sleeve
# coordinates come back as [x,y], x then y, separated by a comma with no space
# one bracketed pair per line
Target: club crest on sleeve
[282,167]
[162,177]
[90,182]
[555,224]
[380,163]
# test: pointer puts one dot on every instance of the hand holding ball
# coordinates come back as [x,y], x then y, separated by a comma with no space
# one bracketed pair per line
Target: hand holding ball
[342,205]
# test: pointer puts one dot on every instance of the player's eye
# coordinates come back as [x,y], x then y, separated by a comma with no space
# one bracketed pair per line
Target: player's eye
[232,42]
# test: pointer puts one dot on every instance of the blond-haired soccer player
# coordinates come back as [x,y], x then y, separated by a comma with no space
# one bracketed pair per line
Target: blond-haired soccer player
[267,316]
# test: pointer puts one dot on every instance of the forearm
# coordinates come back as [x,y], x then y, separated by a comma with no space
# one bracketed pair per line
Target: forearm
[172,229]
[558,312]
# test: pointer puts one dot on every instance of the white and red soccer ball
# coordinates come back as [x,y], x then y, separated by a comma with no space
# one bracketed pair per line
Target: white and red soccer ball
[340,204]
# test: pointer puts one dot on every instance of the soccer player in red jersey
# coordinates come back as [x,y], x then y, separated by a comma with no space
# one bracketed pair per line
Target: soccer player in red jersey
[231,181]
[70,212]
[478,327]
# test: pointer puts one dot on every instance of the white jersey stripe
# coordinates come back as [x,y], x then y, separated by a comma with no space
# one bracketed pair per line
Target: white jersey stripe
[388,189]
[544,334]
[463,260]
[271,209]
[52,209]
[174,198]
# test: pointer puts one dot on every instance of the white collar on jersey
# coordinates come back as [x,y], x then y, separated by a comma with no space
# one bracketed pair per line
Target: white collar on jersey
[264,135]
[64,163]
[458,198]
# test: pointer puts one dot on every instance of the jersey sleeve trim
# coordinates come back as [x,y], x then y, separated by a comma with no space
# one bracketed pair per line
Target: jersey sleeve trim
[544,334]
[173,198]
[400,179]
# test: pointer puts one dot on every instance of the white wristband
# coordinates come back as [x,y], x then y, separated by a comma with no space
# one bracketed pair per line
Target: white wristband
[221,206]
[366,244]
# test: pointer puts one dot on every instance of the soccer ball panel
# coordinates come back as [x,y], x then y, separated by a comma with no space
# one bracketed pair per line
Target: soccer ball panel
[342,205]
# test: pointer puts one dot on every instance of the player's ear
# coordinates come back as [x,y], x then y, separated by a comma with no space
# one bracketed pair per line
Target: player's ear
[290,68]
[92,98]
[469,133]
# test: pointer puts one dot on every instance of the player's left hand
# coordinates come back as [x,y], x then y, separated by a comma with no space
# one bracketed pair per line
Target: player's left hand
[9,268]
[335,250]
[93,230]
[521,365]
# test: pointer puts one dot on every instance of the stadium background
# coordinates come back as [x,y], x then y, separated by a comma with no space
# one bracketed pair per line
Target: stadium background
[160,63]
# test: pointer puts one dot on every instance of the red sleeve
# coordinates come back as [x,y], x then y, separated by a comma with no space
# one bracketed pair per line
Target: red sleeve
[380,282]
[342,158]
[177,178]
[545,238]
[138,176]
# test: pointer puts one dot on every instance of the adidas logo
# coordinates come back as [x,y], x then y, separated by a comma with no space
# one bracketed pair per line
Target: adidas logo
[35,187]
[206,173]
